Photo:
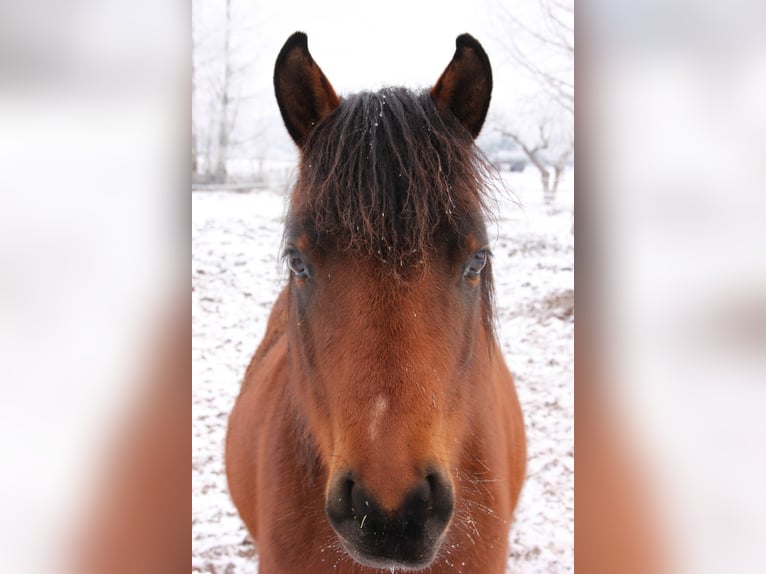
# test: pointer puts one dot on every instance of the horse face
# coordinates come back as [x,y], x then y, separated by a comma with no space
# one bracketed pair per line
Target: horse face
[385,357]
[386,368]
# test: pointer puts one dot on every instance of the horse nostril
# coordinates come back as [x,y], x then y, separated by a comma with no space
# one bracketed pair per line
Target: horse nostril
[423,491]
[441,499]
[340,504]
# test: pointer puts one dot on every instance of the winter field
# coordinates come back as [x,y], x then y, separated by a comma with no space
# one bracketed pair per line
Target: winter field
[236,275]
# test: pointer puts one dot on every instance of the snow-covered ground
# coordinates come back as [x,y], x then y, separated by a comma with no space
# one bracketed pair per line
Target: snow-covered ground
[236,275]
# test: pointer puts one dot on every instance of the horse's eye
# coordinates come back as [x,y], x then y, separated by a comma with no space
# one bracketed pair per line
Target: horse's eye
[296,264]
[478,262]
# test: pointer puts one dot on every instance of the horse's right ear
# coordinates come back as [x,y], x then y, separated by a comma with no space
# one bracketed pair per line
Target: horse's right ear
[465,87]
[304,94]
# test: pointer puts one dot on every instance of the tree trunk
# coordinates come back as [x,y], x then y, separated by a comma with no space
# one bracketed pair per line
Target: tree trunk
[223,126]
[558,169]
[545,176]
[194,167]
[549,192]
[223,142]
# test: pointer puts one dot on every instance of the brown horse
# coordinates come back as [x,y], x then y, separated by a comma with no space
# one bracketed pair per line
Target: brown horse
[378,426]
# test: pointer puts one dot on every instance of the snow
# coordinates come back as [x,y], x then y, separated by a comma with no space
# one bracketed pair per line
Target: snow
[236,275]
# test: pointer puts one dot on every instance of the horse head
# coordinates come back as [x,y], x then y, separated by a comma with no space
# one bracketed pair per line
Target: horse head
[389,322]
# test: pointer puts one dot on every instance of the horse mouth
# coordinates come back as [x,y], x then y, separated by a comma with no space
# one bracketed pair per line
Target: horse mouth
[391,552]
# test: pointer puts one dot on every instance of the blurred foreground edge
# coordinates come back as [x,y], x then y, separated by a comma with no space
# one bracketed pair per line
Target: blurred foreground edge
[140,517]
[617,527]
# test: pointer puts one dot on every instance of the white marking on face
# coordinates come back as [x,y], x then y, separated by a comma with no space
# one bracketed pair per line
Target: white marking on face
[379,407]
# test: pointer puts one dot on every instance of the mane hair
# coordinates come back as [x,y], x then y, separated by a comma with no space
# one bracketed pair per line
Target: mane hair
[387,175]
[384,171]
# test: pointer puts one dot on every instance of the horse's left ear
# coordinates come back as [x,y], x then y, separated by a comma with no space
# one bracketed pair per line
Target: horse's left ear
[304,94]
[465,86]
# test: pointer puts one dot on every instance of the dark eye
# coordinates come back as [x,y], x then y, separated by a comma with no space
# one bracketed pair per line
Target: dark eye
[478,262]
[296,264]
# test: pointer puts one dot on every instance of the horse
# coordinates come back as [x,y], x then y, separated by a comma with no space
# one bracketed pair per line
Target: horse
[377,425]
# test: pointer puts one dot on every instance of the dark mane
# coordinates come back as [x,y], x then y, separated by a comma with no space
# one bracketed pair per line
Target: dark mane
[386,175]
[384,171]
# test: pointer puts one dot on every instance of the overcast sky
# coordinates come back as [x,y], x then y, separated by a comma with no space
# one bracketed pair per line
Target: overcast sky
[360,45]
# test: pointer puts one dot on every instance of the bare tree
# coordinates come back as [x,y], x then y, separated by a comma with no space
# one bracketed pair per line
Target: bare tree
[204,72]
[226,123]
[545,51]
[538,151]
[226,91]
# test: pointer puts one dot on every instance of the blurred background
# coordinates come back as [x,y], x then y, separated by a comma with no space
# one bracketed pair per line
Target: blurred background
[95,141]
[672,272]
[94,266]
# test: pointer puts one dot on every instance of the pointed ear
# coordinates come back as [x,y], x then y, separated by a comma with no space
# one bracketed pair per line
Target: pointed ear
[303,93]
[465,87]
